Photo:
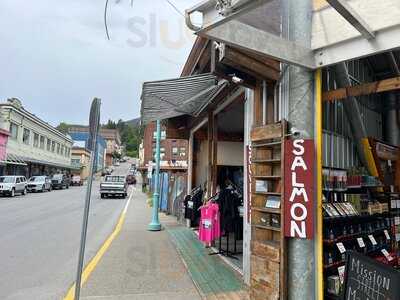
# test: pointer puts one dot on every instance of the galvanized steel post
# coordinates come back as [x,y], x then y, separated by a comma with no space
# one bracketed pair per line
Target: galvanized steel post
[300,114]
[155,223]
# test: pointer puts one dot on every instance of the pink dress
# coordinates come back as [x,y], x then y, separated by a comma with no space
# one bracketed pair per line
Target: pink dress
[209,223]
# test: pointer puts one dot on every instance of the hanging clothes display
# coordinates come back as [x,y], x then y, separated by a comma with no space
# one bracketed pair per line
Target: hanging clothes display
[192,202]
[229,201]
[209,228]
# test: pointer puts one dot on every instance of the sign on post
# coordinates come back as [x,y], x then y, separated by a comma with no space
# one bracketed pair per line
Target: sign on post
[299,188]
[94,124]
[368,279]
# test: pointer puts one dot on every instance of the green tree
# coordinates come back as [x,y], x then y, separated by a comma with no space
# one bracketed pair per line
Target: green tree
[63,127]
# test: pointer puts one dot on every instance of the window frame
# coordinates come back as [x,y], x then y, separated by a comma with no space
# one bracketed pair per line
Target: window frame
[42,146]
[36,145]
[16,126]
[28,140]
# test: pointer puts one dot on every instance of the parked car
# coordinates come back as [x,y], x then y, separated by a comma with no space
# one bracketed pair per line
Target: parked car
[131,179]
[60,181]
[114,185]
[39,184]
[11,185]
[76,180]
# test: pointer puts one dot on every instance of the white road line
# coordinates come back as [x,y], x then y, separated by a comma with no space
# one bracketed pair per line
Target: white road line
[127,203]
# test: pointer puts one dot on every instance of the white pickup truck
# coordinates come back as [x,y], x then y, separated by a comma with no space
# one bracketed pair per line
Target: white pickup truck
[114,185]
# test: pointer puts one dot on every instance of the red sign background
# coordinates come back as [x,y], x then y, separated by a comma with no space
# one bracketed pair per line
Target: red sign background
[299,187]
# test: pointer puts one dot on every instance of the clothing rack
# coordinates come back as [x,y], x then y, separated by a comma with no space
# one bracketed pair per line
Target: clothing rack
[226,252]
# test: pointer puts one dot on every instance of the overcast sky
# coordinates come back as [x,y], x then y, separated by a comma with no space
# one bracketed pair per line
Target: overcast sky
[55,57]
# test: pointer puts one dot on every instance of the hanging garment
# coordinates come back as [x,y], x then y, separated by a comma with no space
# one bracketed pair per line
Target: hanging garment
[209,223]
[192,205]
[228,204]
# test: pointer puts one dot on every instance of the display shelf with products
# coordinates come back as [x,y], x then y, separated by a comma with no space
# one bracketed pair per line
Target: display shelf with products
[268,242]
[359,214]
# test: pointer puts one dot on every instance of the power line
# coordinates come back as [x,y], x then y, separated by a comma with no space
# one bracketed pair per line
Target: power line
[105,19]
[175,8]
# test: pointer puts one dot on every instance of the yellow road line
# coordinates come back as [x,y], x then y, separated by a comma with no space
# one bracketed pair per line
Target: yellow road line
[96,259]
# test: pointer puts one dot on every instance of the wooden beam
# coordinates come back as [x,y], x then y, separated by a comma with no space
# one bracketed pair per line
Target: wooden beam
[258,105]
[247,64]
[380,86]
[270,103]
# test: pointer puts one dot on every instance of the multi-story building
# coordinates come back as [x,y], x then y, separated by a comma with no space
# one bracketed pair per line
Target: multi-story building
[81,140]
[81,161]
[33,146]
[111,137]
[173,152]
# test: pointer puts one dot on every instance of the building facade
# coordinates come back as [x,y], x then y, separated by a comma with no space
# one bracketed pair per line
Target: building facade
[81,161]
[81,141]
[111,137]
[34,147]
[318,133]
[173,152]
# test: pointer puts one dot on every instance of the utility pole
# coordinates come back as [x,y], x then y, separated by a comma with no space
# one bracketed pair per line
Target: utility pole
[300,115]
[155,223]
[94,123]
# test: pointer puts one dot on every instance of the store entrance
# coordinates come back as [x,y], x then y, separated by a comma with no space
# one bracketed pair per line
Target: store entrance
[225,191]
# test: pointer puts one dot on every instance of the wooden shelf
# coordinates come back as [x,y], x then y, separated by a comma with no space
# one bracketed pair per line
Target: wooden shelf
[275,177]
[267,161]
[268,193]
[267,145]
[267,210]
[274,244]
[267,227]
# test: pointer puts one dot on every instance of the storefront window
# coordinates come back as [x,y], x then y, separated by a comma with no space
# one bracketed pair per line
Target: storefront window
[14,131]
[174,151]
[42,142]
[182,151]
[26,136]
[163,135]
[35,140]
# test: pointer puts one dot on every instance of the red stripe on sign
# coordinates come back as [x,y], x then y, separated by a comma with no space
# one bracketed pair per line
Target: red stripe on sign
[299,188]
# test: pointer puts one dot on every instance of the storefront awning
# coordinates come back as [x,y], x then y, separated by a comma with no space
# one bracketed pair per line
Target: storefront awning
[181,96]
[340,30]
[48,163]
[12,159]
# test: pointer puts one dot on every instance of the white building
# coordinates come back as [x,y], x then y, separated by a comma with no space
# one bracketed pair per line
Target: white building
[34,146]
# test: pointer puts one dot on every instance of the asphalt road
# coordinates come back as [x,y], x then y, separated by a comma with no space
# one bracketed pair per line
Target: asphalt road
[40,236]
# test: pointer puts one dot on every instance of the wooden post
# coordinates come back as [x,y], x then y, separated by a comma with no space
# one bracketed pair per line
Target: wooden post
[215,155]
[210,125]
[258,105]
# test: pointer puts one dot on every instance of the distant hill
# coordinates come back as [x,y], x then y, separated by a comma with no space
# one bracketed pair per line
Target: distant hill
[133,122]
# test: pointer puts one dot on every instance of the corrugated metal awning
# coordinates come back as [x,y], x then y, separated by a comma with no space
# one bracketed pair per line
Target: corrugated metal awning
[13,159]
[181,96]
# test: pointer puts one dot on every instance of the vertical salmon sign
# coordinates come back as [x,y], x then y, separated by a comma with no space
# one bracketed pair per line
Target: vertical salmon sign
[299,188]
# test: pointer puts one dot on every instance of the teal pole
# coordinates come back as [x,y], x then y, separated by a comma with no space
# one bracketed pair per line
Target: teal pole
[155,223]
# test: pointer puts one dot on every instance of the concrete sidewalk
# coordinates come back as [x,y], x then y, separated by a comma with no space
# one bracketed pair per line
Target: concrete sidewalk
[140,264]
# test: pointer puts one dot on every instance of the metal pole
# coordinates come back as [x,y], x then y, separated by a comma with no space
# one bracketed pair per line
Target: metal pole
[155,223]
[85,219]
[300,114]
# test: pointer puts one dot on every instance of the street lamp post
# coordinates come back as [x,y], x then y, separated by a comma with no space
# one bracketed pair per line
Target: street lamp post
[155,223]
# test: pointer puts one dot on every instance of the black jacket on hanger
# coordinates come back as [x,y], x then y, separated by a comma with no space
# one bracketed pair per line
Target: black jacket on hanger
[228,202]
[192,205]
